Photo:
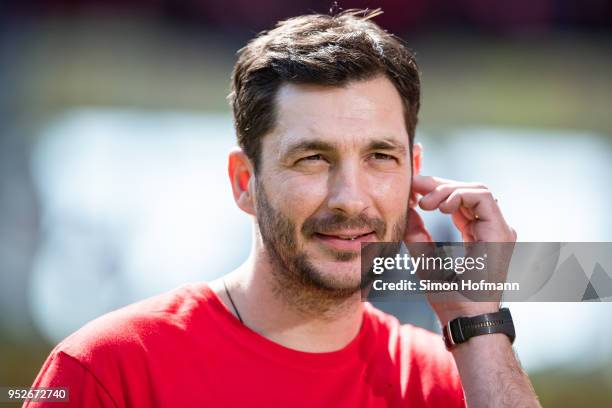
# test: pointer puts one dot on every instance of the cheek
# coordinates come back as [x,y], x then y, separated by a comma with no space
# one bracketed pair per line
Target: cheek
[391,194]
[298,197]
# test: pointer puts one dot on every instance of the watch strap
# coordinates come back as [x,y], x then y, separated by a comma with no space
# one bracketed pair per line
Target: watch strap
[461,329]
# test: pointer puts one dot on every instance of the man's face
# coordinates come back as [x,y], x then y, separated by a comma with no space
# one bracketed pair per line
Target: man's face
[334,173]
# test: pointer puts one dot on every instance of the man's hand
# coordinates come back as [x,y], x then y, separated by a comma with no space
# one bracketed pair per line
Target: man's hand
[476,215]
[474,210]
[490,373]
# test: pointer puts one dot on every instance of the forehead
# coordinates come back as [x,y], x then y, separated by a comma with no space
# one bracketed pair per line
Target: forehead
[345,116]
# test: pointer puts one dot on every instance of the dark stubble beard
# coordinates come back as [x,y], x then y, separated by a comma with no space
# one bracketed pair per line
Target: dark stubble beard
[294,278]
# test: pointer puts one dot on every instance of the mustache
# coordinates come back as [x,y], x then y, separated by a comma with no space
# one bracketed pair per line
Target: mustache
[339,222]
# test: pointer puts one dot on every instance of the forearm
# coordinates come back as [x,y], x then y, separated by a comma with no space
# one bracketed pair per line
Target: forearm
[491,374]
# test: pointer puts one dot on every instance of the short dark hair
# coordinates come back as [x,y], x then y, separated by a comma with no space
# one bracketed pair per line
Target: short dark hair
[316,49]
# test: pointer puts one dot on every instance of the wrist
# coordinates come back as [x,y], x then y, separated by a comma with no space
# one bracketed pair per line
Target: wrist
[468,310]
[484,345]
[462,329]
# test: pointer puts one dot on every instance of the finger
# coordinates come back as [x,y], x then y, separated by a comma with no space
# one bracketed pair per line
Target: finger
[459,198]
[460,221]
[464,224]
[480,202]
[424,184]
[438,195]
[412,201]
[467,213]
[417,239]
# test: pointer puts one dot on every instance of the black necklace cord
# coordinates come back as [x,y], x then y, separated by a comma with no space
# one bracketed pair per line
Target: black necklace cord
[232,301]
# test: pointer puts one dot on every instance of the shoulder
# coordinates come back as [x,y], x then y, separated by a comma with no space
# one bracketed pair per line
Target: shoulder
[121,355]
[136,327]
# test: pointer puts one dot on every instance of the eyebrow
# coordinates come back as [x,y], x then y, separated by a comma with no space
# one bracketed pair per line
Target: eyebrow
[308,145]
[324,146]
[387,144]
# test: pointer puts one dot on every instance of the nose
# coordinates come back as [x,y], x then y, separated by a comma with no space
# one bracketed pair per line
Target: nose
[347,192]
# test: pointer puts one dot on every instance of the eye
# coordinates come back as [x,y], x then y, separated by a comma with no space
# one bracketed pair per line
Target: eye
[382,156]
[312,161]
[313,157]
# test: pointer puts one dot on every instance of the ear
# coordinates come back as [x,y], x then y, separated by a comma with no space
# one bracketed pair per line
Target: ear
[241,176]
[417,151]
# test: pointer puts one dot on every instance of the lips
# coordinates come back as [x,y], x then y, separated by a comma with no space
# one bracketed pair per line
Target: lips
[346,235]
[345,240]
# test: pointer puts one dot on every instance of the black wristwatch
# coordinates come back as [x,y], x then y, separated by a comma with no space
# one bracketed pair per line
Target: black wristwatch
[462,329]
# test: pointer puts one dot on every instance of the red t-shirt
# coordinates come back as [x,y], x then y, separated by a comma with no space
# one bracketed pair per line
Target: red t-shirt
[185,349]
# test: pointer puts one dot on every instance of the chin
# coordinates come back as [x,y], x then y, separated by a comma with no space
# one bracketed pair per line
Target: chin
[340,274]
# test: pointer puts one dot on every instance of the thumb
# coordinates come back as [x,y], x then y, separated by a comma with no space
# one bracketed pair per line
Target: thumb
[415,228]
[417,239]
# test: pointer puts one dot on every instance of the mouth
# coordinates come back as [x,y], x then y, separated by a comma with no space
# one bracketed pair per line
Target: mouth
[345,241]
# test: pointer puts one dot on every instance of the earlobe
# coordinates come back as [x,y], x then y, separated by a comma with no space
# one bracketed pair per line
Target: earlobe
[240,174]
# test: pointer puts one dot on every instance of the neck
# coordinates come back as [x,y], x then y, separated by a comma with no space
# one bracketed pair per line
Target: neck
[305,321]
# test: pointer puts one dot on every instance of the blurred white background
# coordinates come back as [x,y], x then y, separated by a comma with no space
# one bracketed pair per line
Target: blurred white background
[136,203]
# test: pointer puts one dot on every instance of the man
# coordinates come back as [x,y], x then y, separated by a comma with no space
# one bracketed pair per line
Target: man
[325,109]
